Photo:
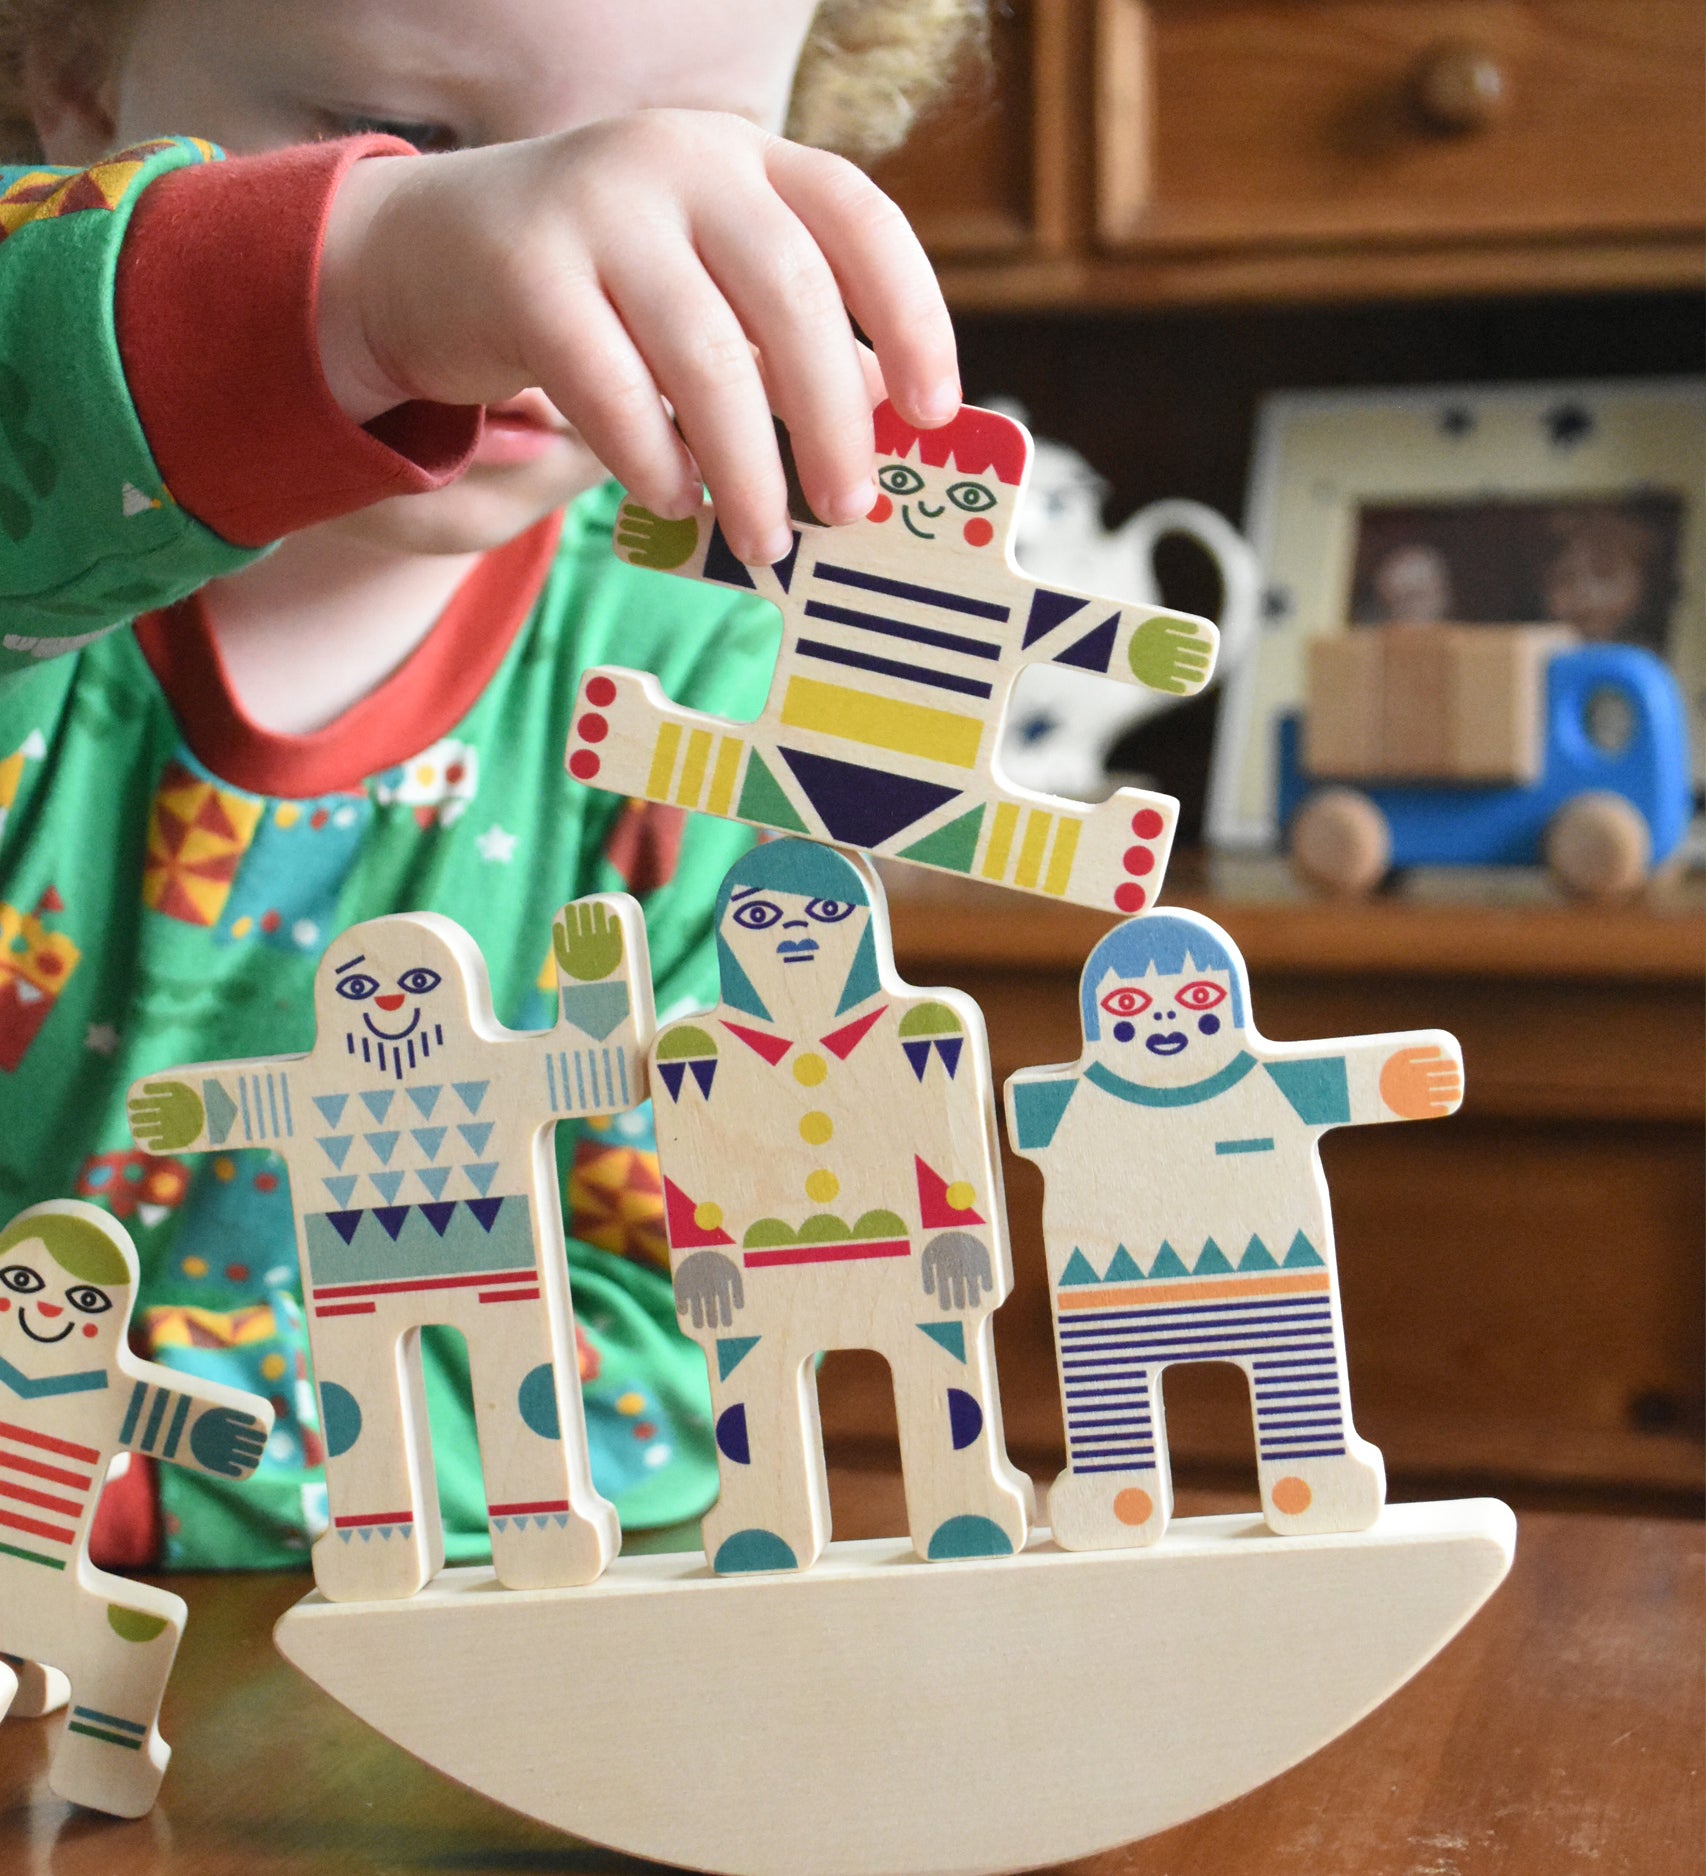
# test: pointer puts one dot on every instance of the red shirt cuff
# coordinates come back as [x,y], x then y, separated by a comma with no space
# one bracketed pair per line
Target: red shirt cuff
[215,312]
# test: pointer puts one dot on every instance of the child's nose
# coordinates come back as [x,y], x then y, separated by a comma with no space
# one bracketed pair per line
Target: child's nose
[50,1309]
[389,1003]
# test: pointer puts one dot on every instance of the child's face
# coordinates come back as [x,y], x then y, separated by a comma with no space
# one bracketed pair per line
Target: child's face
[255,75]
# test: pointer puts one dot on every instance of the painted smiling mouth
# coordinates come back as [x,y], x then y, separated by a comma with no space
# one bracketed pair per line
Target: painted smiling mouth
[923,534]
[1166,1045]
[386,1035]
[23,1323]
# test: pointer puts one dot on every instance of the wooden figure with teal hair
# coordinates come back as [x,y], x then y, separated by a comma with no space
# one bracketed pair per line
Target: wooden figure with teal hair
[827,1139]
[1185,1218]
[72,1398]
[416,1132]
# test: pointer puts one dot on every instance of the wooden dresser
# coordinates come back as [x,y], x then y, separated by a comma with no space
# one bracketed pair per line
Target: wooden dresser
[1522,1284]
[1136,153]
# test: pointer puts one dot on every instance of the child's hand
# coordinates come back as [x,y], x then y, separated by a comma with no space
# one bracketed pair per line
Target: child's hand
[679,255]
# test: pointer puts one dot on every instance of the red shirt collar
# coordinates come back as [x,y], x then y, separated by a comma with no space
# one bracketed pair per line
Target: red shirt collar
[422,700]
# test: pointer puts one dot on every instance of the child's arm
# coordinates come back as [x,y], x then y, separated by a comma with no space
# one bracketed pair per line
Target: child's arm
[677,255]
[162,412]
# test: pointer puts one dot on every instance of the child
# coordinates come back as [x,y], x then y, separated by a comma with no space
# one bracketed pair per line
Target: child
[201,357]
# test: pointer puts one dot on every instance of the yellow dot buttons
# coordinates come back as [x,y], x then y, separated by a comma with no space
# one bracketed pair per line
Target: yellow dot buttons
[810,1069]
[822,1186]
[960,1195]
[816,1128]
[707,1216]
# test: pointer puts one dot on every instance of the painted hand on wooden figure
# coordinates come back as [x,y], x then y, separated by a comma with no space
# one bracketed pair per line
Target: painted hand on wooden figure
[829,1181]
[1185,1219]
[903,636]
[72,1398]
[412,1131]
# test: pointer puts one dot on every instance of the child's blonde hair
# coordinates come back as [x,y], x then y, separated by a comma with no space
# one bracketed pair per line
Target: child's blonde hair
[869,67]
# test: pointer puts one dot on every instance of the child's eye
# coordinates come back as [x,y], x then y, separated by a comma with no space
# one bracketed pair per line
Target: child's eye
[829,911]
[897,479]
[358,986]
[419,981]
[88,1299]
[1202,995]
[1126,1001]
[756,914]
[22,1279]
[426,138]
[974,497]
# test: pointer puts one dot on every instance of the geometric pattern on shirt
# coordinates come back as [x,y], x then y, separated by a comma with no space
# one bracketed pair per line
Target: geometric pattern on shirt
[616,1201]
[453,1238]
[198,833]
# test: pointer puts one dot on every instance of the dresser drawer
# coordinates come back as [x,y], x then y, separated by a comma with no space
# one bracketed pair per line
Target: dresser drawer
[1319,123]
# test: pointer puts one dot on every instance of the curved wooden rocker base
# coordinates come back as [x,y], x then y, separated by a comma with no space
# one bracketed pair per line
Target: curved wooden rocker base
[879,1716]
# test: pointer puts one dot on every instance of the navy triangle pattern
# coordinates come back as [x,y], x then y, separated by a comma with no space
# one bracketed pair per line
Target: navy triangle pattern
[486,1211]
[1095,650]
[1049,610]
[438,1216]
[673,1074]
[391,1219]
[863,806]
[704,1073]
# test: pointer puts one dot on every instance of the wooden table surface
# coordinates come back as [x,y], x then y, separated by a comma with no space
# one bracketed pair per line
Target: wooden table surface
[1561,1732]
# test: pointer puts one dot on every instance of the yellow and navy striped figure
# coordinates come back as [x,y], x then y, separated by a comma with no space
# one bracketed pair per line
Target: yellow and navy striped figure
[903,636]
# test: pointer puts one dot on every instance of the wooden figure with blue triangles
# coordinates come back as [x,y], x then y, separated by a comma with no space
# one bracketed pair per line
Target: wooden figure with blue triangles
[1185,1218]
[828,1147]
[903,636]
[424,1190]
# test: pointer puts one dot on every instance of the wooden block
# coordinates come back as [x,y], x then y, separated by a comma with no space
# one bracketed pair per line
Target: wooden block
[1341,725]
[1185,1219]
[903,636]
[880,1717]
[1418,695]
[72,1398]
[828,1146]
[1499,710]
[415,1133]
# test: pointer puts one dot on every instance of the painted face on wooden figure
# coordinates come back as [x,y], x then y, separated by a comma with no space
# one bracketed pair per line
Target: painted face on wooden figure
[1162,1003]
[391,991]
[953,487]
[798,952]
[56,1321]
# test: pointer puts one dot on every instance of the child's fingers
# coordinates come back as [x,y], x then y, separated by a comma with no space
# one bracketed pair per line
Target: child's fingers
[590,368]
[885,276]
[701,359]
[784,294]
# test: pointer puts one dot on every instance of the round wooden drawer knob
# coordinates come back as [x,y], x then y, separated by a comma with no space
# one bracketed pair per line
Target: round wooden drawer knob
[1459,87]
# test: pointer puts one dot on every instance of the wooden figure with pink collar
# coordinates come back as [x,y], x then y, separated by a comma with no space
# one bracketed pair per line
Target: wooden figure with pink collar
[73,1399]
[1186,1218]
[827,1140]
[417,1137]
[903,636]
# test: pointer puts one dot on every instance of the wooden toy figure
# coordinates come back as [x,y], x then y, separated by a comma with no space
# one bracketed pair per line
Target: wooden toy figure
[424,1187]
[827,1139]
[72,1396]
[903,636]
[1185,1218]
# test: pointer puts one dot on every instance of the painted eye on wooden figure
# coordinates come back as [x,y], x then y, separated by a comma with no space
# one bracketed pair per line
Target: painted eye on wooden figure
[896,479]
[357,987]
[1201,995]
[21,1279]
[1127,1000]
[757,914]
[88,1299]
[829,911]
[974,497]
[419,980]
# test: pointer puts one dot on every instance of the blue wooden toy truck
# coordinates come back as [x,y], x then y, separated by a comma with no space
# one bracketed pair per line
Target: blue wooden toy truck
[1490,745]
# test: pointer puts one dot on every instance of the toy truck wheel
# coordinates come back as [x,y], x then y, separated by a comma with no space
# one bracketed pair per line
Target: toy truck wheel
[1340,841]
[1599,847]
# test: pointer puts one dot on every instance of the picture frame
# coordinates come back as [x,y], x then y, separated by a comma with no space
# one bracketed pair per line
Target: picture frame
[1494,504]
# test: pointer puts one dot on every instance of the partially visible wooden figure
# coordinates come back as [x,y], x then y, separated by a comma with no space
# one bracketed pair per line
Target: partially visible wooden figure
[1185,1218]
[72,1397]
[827,1140]
[416,1133]
[903,636]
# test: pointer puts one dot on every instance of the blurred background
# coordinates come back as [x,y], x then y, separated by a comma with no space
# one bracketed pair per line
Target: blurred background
[1155,216]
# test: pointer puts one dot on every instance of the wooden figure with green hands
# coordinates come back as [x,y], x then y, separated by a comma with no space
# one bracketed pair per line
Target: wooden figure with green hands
[417,1133]
[1186,1218]
[903,636]
[827,1141]
[72,1398]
